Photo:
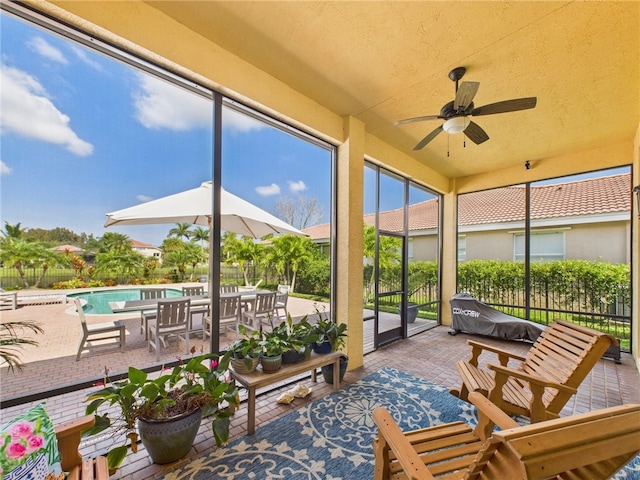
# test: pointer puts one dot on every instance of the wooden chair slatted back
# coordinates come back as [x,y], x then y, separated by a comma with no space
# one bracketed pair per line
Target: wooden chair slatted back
[229,306]
[565,353]
[192,291]
[265,303]
[573,447]
[228,288]
[152,293]
[173,313]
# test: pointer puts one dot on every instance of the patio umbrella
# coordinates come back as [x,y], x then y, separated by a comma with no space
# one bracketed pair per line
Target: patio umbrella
[194,206]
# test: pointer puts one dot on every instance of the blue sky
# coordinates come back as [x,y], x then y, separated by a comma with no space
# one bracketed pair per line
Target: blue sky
[83,135]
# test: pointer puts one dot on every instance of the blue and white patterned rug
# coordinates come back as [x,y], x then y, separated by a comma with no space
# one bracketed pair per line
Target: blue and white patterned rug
[331,438]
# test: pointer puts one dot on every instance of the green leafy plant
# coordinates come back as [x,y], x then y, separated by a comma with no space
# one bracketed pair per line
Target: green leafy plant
[329,331]
[11,341]
[246,347]
[202,382]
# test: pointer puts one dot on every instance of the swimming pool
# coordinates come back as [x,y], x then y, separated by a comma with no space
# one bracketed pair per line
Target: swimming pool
[98,301]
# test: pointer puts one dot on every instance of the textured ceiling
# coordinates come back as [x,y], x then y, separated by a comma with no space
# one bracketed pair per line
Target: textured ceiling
[384,61]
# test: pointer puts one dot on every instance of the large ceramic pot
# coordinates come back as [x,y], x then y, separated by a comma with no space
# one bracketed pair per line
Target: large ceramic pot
[271,364]
[169,440]
[239,365]
[324,347]
[292,356]
[327,370]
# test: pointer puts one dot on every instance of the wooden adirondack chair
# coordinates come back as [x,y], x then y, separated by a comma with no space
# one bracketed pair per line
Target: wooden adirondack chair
[557,363]
[68,435]
[586,446]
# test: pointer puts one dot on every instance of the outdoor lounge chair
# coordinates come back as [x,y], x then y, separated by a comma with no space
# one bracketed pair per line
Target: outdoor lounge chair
[543,382]
[587,446]
[98,332]
[68,435]
[8,300]
[229,315]
[172,320]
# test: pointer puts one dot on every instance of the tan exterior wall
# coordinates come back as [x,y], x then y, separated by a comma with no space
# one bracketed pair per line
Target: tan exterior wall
[608,243]
[425,248]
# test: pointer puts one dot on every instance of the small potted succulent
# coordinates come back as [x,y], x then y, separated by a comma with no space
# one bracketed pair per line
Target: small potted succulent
[199,388]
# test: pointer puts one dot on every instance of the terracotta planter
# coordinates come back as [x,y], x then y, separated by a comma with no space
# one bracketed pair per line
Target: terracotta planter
[169,440]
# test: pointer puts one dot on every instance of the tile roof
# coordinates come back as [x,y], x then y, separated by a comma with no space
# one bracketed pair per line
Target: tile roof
[593,196]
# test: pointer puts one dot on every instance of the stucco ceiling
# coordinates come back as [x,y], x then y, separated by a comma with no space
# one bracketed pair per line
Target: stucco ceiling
[385,61]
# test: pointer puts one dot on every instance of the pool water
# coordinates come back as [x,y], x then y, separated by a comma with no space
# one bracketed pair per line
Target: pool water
[98,301]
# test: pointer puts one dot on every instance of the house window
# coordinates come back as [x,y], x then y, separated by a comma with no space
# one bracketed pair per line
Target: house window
[462,248]
[545,246]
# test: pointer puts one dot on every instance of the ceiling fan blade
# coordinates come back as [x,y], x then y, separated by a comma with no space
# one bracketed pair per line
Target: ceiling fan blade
[465,94]
[416,119]
[506,106]
[475,133]
[428,138]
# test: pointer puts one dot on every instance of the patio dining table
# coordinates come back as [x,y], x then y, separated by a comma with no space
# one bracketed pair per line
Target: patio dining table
[196,300]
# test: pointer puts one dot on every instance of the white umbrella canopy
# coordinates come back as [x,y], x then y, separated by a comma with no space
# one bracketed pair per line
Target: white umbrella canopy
[195,206]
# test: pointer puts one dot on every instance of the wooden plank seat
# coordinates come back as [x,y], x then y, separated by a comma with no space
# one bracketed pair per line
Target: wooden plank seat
[544,380]
[68,435]
[587,446]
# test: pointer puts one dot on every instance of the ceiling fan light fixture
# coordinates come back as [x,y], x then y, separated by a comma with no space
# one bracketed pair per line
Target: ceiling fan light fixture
[455,125]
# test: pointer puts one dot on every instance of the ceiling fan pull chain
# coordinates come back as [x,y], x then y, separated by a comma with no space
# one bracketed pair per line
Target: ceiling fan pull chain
[448,137]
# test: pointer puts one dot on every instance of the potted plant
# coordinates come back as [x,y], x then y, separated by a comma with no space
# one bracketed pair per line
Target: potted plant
[199,388]
[301,337]
[274,344]
[245,351]
[331,338]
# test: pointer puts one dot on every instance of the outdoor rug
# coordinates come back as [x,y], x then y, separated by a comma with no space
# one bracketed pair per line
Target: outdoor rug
[331,438]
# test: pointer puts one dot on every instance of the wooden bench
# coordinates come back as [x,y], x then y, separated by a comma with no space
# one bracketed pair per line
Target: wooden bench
[586,446]
[68,435]
[257,379]
[543,382]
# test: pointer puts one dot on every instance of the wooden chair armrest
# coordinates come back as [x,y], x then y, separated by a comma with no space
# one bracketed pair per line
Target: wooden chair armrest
[390,435]
[510,372]
[496,350]
[489,414]
[68,435]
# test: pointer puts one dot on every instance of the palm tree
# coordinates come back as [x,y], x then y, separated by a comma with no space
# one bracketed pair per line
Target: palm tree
[18,253]
[115,242]
[244,252]
[181,230]
[12,231]
[200,235]
[288,253]
[10,341]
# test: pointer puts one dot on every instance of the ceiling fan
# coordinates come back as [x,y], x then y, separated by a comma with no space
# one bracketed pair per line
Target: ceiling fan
[456,112]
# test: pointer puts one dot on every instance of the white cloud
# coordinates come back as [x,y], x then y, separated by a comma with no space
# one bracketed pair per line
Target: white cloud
[26,110]
[237,122]
[4,168]
[268,190]
[144,198]
[296,187]
[84,57]
[160,105]
[48,51]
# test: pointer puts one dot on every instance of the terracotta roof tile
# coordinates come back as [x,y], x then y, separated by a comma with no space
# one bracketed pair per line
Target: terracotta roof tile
[584,197]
